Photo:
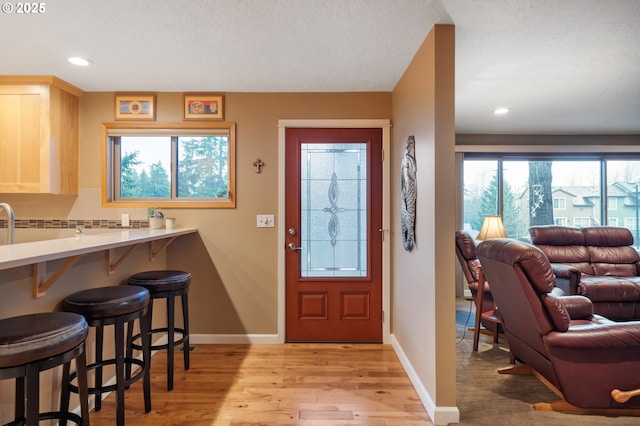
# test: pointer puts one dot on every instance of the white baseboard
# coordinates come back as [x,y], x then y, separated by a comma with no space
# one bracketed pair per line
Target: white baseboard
[438,415]
[234,339]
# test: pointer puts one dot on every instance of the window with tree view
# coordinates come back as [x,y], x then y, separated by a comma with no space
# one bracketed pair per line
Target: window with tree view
[192,167]
[545,191]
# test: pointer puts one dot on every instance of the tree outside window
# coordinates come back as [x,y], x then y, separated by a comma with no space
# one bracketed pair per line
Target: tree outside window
[187,166]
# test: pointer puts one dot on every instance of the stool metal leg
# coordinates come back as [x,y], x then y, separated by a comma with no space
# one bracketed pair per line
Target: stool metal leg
[20,398]
[83,393]
[185,319]
[171,314]
[149,319]
[120,376]
[146,356]
[98,373]
[65,391]
[129,354]
[33,395]
[83,386]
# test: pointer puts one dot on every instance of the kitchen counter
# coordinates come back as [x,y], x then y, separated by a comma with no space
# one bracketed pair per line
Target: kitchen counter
[39,252]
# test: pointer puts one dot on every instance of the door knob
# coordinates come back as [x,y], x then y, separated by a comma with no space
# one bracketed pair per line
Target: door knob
[293,247]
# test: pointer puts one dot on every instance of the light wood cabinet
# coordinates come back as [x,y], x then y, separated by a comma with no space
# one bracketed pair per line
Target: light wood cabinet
[39,132]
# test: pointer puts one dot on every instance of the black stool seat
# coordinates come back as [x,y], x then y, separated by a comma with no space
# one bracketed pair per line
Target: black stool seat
[33,343]
[106,302]
[166,284]
[117,306]
[29,338]
[159,281]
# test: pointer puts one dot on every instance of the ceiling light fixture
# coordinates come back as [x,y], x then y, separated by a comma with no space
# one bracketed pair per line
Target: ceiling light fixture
[81,62]
[501,111]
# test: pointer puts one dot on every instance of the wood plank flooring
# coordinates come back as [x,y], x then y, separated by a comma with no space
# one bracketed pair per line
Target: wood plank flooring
[291,384]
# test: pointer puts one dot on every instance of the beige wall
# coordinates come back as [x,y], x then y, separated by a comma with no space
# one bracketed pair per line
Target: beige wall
[234,264]
[423,291]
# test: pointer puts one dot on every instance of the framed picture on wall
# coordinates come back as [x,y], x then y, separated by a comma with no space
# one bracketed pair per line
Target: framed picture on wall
[203,107]
[135,107]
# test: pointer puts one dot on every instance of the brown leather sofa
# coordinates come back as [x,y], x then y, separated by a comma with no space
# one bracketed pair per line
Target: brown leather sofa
[580,355]
[596,262]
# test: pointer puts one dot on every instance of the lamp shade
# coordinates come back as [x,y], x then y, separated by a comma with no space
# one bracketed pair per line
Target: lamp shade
[491,228]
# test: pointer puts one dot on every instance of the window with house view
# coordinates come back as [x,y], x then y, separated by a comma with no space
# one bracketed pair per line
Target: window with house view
[190,166]
[562,191]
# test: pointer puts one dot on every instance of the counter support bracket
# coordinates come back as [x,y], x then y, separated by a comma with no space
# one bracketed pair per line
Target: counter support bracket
[153,251]
[40,281]
[114,263]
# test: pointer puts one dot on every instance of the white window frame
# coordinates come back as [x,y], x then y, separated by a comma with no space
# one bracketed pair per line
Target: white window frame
[579,221]
[561,221]
[630,223]
[562,203]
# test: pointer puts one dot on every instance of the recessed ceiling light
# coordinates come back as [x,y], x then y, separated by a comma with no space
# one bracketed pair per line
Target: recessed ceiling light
[82,62]
[501,111]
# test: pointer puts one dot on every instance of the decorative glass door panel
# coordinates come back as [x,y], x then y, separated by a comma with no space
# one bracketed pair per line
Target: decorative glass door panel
[333,186]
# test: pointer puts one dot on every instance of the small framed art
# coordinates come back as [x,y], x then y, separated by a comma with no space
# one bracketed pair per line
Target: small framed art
[136,107]
[203,107]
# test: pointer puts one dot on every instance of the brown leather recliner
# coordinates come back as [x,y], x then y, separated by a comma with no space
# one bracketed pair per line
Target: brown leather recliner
[581,356]
[486,311]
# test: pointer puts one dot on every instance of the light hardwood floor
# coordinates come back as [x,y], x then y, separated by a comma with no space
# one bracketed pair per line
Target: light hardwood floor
[290,384]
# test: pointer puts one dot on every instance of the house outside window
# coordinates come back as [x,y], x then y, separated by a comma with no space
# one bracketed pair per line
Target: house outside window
[500,184]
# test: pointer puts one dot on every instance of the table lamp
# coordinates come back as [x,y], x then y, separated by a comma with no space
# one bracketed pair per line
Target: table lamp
[491,228]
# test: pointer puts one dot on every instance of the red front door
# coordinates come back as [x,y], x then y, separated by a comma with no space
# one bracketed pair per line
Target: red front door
[333,217]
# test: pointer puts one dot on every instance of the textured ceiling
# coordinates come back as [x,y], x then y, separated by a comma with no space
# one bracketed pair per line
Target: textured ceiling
[561,66]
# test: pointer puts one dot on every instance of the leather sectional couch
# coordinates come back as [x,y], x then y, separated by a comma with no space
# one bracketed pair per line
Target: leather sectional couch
[597,262]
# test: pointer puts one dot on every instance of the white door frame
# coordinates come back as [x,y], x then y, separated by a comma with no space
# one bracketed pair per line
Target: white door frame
[383,124]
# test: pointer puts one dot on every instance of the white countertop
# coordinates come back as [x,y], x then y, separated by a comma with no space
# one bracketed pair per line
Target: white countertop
[15,255]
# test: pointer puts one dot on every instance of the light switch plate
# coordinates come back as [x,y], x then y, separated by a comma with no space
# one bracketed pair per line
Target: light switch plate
[265,221]
[125,220]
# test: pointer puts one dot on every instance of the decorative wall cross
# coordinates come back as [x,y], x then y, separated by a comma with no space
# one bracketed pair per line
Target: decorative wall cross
[258,165]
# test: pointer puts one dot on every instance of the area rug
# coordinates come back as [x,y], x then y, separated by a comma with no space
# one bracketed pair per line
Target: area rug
[488,398]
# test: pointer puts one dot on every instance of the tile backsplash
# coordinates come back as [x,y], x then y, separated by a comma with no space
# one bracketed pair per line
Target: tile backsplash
[74,223]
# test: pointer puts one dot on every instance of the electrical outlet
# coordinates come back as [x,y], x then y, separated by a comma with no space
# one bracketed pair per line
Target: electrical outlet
[265,221]
[125,220]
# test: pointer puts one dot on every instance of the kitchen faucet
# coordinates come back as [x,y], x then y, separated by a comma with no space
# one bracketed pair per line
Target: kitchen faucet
[11,222]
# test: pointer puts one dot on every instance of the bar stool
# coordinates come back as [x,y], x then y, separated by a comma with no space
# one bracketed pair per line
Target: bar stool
[117,306]
[167,284]
[33,343]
